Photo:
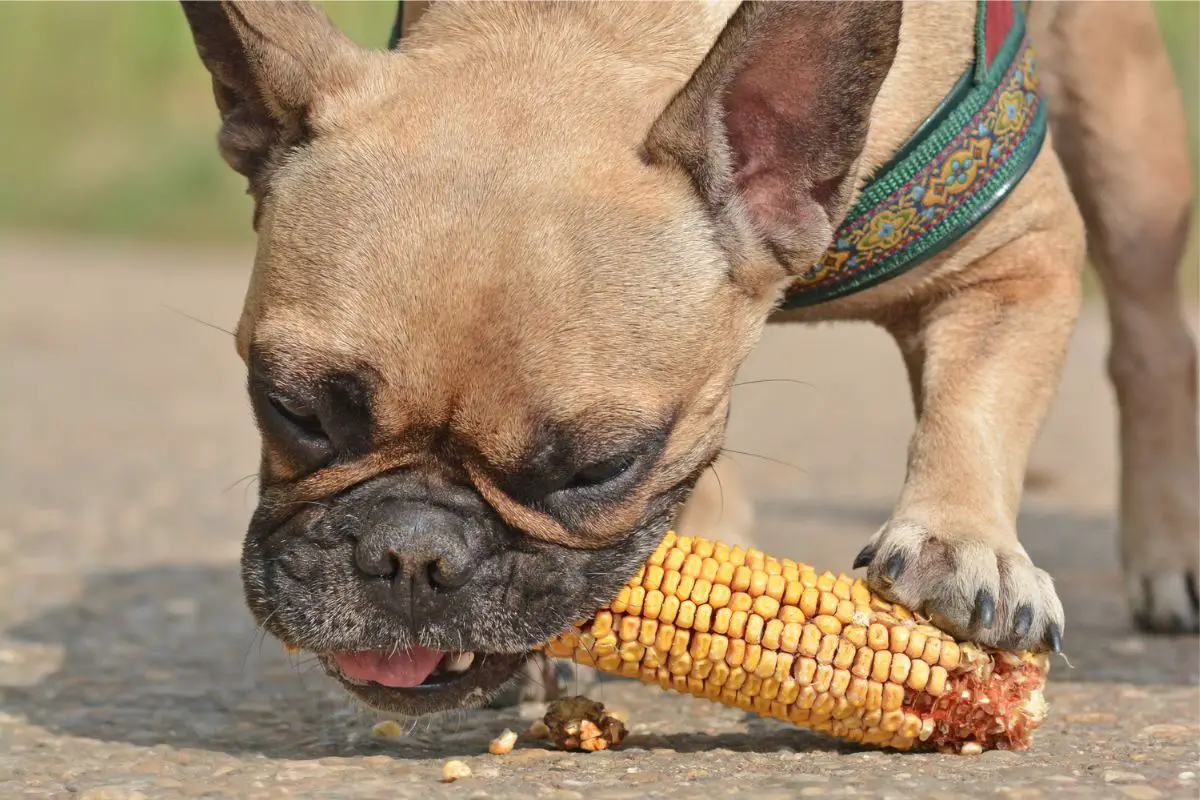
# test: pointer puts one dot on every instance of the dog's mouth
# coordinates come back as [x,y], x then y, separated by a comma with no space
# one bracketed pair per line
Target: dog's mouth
[421,680]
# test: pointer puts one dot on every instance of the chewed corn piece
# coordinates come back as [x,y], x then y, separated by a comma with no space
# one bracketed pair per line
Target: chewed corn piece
[817,650]
[503,743]
[579,723]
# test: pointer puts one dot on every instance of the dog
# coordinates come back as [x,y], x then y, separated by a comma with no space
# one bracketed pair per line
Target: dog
[506,274]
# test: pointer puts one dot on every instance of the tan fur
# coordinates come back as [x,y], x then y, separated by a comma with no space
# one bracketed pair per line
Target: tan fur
[552,273]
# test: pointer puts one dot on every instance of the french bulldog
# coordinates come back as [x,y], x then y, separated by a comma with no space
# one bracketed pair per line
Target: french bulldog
[507,271]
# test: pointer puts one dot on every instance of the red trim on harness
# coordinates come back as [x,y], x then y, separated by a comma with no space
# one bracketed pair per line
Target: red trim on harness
[998,21]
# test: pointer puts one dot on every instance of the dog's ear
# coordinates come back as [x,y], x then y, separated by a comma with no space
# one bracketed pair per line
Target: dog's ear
[772,124]
[269,62]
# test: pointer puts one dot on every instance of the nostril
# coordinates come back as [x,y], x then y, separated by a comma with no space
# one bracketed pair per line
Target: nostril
[378,563]
[443,575]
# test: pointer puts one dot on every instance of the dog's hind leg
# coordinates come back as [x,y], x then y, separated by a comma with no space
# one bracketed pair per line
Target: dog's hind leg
[1119,128]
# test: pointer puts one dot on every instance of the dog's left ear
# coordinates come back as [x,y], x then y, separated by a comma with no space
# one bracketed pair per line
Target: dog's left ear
[773,123]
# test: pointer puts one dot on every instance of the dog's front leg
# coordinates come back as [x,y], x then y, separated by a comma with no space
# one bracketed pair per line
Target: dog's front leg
[984,361]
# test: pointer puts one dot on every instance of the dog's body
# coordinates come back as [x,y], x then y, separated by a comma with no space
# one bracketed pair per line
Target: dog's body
[506,276]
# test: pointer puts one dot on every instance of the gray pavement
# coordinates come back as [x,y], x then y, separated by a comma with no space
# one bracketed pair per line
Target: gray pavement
[129,668]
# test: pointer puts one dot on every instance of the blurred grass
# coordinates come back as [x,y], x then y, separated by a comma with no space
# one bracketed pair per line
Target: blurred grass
[109,123]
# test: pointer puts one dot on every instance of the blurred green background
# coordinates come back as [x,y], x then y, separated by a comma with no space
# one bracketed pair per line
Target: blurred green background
[109,124]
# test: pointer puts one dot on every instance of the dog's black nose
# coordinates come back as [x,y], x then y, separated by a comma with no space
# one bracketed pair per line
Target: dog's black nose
[416,545]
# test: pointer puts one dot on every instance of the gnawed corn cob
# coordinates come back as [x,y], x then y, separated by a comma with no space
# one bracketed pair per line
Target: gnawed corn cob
[818,650]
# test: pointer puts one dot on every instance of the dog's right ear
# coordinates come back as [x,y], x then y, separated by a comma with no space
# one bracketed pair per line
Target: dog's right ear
[270,63]
[771,126]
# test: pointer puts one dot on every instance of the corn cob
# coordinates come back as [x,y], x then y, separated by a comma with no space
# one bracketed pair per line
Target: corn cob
[817,650]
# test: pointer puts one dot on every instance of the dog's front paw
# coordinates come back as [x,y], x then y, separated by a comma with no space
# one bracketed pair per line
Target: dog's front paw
[970,588]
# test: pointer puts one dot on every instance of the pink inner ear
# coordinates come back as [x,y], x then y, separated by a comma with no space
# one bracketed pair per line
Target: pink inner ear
[772,165]
[773,120]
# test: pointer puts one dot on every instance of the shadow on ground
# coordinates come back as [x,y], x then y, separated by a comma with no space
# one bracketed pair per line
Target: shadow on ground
[169,655]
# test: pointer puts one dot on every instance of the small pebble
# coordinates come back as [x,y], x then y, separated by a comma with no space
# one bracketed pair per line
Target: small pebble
[453,770]
[1187,776]
[1117,776]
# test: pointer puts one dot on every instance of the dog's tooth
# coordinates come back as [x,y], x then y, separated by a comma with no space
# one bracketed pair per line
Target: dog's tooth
[459,662]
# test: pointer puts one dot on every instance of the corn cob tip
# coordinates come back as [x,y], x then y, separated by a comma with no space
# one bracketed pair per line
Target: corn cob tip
[816,649]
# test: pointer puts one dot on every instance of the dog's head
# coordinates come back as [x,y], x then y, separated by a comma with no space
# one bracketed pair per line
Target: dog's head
[504,279]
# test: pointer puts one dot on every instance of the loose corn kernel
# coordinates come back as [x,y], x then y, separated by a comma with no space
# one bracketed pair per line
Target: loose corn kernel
[817,649]
[454,769]
[503,743]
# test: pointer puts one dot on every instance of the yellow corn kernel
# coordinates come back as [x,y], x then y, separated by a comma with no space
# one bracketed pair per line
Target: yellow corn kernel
[864,659]
[916,643]
[789,614]
[753,654]
[809,601]
[766,664]
[789,639]
[900,667]
[918,675]
[844,656]
[718,647]
[741,578]
[898,639]
[686,615]
[771,633]
[766,606]
[754,629]
[882,666]
[670,607]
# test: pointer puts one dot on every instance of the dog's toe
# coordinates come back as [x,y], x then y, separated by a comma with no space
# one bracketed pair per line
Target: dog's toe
[994,596]
[1165,602]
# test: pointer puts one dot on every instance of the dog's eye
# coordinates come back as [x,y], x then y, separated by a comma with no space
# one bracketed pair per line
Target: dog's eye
[601,472]
[298,414]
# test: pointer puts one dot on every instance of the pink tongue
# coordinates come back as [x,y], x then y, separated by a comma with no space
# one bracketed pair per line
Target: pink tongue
[406,668]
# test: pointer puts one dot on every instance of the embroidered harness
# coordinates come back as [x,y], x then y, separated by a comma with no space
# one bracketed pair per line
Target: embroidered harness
[959,164]
[955,168]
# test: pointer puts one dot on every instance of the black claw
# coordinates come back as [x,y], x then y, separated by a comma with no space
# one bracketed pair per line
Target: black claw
[1193,591]
[895,565]
[1054,638]
[865,556]
[1023,620]
[985,608]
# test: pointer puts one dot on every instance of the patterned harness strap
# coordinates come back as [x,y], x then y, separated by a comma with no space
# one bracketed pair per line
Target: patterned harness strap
[960,164]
